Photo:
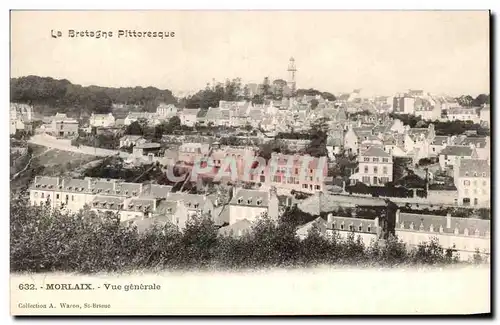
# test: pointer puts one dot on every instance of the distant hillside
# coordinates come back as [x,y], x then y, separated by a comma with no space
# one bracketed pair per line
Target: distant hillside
[50,95]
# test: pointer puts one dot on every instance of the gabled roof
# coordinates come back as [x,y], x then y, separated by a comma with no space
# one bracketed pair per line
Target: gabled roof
[479,142]
[253,198]
[319,222]
[464,151]
[375,152]
[474,168]
[440,140]
[423,222]
[359,225]
[189,111]
[189,199]
[237,228]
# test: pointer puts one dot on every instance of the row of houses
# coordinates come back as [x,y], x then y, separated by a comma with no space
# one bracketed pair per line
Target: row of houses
[145,203]
[465,237]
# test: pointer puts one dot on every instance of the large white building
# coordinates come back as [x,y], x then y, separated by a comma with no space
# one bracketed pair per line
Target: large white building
[375,167]
[20,116]
[102,120]
[251,204]
[464,114]
[133,202]
[473,182]
[465,235]
[165,111]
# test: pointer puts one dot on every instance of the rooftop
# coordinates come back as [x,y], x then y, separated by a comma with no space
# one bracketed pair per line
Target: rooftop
[435,223]
[252,198]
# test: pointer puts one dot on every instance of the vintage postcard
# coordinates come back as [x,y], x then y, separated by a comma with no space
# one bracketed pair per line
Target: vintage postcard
[250,163]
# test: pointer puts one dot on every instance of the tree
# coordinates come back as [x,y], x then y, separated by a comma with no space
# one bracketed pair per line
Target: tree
[317,146]
[279,87]
[328,96]
[266,87]
[481,99]
[314,103]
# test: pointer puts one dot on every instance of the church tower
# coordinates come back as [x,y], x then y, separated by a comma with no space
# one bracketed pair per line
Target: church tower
[291,76]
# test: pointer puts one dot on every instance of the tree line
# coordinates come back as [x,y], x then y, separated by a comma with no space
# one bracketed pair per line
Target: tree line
[53,95]
[46,241]
[469,101]
[235,90]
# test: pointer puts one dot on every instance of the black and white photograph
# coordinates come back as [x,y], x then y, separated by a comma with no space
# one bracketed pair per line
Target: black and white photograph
[238,162]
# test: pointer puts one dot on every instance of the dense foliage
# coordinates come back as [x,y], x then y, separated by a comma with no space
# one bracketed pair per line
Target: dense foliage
[44,240]
[441,128]
[52,95]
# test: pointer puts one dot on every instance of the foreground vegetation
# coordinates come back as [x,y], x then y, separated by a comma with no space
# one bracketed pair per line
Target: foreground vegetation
[43,241]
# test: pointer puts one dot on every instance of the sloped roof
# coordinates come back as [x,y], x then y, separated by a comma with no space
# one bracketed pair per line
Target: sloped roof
[464,151]
[440,139]
[479,142]
[375,151]
[359,225]
[423,222]
[244,197]
[474,168]
[237,228]
[319,222]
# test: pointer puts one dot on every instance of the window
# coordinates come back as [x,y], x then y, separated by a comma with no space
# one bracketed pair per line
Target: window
[375,169]
[384,169]
[57,196]
[72,197]
[375,159]
[43,195]
[366,159]
[351,228]
[369,229]
[35,194]
[385,159]
[366,169]
[317,187]
[304,185]
[360,228]
[342,226]
[466,183]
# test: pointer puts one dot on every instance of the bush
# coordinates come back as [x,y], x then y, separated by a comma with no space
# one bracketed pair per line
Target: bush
[45,240]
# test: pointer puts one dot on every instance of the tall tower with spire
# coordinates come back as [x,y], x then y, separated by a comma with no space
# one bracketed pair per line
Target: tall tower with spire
[292,69]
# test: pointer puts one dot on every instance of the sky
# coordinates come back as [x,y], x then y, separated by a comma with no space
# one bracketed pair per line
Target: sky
[381,52]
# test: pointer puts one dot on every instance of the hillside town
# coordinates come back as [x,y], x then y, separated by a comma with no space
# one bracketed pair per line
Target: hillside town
[275,150]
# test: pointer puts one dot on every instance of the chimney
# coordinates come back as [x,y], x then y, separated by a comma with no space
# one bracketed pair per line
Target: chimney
[448,221]
[354,214]
[37,178]
[330,217]
[397,216]
[233,191]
